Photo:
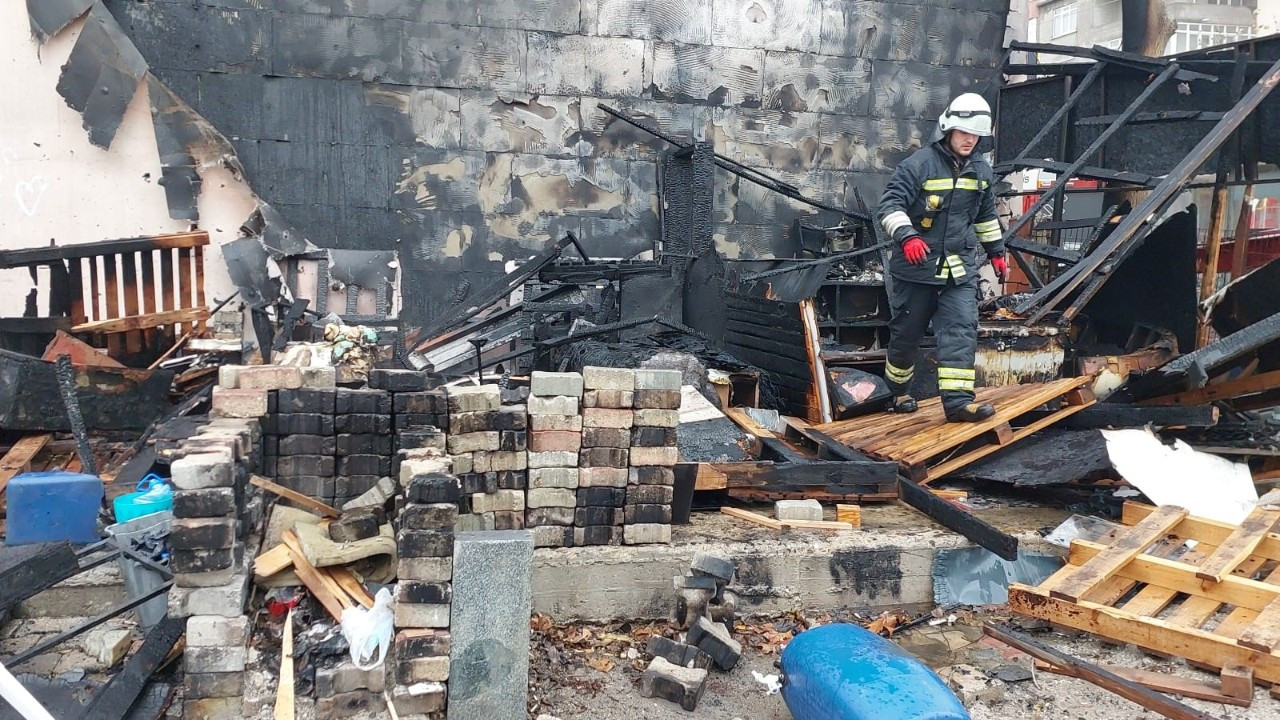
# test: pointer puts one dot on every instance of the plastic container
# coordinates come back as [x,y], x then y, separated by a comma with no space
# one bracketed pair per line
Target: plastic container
[138,578]
[843,672]
[53,506]
[145,501]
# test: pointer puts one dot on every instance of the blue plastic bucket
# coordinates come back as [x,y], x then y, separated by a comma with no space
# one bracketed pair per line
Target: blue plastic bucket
[132,505]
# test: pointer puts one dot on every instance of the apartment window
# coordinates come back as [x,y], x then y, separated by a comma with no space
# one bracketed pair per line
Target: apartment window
[1111,44]
[1233,3]
[1062,20]
[1193,36]
[1106,12]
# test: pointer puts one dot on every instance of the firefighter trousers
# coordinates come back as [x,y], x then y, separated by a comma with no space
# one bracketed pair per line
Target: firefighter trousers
[953,309]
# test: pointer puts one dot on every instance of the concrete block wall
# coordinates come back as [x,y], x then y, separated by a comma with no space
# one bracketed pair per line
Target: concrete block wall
[468,134]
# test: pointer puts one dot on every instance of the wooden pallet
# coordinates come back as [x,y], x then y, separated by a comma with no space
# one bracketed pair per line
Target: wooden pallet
[928,447]
[1217,605]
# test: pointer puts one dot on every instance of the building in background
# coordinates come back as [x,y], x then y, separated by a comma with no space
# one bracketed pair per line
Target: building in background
[1200,23]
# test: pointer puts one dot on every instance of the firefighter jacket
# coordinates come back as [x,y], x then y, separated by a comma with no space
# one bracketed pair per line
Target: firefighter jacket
[950,203]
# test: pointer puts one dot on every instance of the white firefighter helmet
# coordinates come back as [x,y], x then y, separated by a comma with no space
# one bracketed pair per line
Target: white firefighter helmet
[968,112]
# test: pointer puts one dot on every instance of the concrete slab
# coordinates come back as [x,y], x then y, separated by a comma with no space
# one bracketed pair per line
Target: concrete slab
[885,565]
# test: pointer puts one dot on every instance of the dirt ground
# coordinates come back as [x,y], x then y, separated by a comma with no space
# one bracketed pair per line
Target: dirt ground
[577,691]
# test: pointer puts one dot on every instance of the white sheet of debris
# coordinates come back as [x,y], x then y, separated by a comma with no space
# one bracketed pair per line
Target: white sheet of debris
[1208,486]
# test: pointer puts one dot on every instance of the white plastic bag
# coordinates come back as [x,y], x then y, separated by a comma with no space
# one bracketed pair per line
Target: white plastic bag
[369,631]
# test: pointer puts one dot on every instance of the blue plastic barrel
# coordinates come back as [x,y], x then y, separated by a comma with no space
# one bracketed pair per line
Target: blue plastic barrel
[53,506]
[843,672]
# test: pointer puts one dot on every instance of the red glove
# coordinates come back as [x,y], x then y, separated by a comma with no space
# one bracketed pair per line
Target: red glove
[915,250]
[1000,266]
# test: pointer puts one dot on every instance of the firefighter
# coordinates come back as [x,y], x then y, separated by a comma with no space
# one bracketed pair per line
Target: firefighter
[939,208]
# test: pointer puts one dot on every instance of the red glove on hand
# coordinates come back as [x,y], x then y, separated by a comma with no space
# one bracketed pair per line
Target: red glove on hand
[915,250]
[1000,266]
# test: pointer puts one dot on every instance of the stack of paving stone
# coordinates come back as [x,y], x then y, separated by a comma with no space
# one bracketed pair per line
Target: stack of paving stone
[555,442]
[487,445]
[603,461]
[362,423]
[653,456]
[424,592]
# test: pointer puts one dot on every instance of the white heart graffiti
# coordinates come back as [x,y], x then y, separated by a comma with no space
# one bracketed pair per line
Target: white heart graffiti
[29,193]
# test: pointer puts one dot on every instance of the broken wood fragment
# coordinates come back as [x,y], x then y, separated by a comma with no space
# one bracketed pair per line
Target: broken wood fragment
[306,503]
[321,584]
[1099,676]
[1160,682]
[18,459]
[851,514]
[772,524]
[284,706]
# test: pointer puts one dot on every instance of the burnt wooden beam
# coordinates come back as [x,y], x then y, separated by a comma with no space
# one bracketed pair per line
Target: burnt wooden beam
[1135,226]
[1154,117]
[1146,697]
[1049,252]
[1104,415]
[957,519]
[30,569]
[46,255]
[1067,172]
[1089,171]
[123,689]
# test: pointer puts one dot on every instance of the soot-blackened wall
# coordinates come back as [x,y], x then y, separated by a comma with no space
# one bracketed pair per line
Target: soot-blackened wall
[467,132]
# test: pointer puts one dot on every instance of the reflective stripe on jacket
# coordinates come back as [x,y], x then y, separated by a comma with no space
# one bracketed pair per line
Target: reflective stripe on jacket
[952,208]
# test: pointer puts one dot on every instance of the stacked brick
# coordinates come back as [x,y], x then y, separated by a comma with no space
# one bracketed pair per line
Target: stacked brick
[604,458]
[211,548]
[487,445]
[555,445]
[424,592]
[651,477]
[363,442]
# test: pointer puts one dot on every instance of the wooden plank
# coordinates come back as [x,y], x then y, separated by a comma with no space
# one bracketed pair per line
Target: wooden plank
[1221,391]
[75,278]
[142,322]
[1243,540]
[18,459]
[309,504]
[1233,590]
[45,255]
[198,261]
[768,495]
[958,519]
[129,277]
[321,585]
[284,705]
[949,466]
[1151,634]
[1119,554]
[1099,676]
[1160,682]
[350,584]
[773,524]
[751,517]
[168,288]
[121,692]
[95,298]
[1105,415]
[1201,529]
[272,561]
[148,290]
[813,349]
[185,294]
[111,289]
[1261,632]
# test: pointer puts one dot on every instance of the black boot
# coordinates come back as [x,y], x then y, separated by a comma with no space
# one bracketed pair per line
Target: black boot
[903,404]
[973,412]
